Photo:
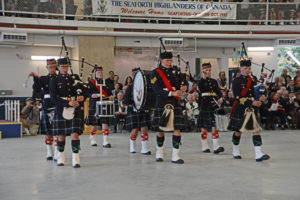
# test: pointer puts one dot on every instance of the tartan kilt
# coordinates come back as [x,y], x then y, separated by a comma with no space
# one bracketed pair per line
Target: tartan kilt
[207,119]
[45,126]
[178,119]
[65,127]
[91,119]
[137,120]
[237,120]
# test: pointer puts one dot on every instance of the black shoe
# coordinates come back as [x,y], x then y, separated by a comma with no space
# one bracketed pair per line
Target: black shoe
[147,153]
[55,160]
[107,146]
[61,164]
[219,150]
[180,161]
[94,145]
[293,127]
[264,157]
[49,158]
[76,166]
[159,160]
[237,157]
[133,152]
[206,151]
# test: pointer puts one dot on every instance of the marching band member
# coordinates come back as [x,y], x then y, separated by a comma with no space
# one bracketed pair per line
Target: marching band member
[41,84]
[242,114]
[95,85]
[210,97]
[136,120]
[167,84]
[67,117]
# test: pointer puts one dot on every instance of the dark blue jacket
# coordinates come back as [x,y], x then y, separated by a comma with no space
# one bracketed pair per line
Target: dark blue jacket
[41,84]
[176,80]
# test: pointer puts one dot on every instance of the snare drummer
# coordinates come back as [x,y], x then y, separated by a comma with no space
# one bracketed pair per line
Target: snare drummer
[67,117]
[168,84]
[210,98]
[91,119]
[136,120]
[41,84]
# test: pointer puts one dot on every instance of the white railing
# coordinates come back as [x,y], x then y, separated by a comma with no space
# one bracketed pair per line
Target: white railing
[12,110]
[258,13]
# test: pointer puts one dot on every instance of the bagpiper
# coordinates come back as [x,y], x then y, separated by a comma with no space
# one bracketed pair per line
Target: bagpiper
[168,85]
[68,115]
[242,114]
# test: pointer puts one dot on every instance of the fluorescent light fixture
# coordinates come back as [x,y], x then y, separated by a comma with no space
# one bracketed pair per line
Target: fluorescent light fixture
[260,48]
[43,57]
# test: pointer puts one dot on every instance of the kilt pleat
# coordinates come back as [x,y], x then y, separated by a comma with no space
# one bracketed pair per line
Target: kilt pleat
[65,127]
[178,119]
[137,120]
[207,119]
[238,116]
[45,126]
[91,118]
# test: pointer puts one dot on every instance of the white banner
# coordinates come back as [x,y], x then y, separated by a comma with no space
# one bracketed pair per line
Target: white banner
[174,9]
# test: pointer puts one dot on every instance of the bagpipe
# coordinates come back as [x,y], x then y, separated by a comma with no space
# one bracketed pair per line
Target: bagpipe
[263,76]
[180,77]
[82,88]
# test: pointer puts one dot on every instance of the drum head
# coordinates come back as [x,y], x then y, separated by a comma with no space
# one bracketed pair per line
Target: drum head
[139,88]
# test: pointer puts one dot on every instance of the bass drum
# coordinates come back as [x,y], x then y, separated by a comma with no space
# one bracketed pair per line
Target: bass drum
[143,95]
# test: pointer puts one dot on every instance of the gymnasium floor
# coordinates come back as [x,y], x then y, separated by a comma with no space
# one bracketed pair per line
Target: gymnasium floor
[113,174]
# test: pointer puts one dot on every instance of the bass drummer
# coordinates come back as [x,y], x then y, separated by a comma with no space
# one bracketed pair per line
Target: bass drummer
[92,119]
[168,85]
[136,120]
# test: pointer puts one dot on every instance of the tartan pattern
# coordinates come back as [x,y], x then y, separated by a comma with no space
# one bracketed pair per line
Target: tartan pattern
[91,119]
[137,120]
[178,119]
[45,127]
[236,122]
[67,127]
[207,119]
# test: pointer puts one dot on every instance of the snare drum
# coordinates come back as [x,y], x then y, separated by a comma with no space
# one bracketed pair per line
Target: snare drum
[143,95]
[105,109]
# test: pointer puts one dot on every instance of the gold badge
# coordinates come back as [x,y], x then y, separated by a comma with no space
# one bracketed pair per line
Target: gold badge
[243,100]
[153,80]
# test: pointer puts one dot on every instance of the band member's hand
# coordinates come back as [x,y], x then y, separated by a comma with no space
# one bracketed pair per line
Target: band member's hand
[111,97]
[183,88]
[262,98]
[256,103]
[33,74]
[80,98]
[220,101]
[177,93]
[74,104]
[95,95]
